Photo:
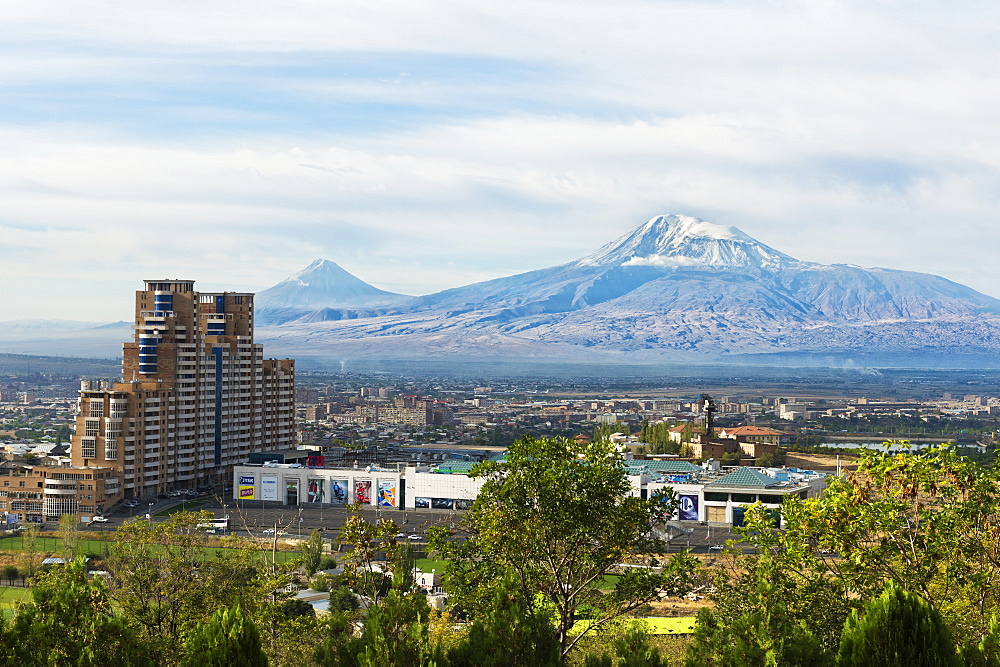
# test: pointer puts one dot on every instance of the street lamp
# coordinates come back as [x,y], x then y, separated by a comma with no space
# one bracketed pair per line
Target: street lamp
[150,514]
[300,523]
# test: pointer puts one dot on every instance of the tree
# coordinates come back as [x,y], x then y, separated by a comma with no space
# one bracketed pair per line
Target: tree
[558,516]
[229,638]
[69,529]
[897,628]
[165,581]
[10,573]
[510,632]
[70,621]
[29,542]
[361,565]
[395,633]
[312,552]
[928,521]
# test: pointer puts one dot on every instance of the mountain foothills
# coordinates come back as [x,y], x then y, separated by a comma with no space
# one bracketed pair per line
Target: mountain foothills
[677,289]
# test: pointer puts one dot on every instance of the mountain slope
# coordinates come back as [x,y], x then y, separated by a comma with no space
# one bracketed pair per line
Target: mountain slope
[322,286]
[675,288]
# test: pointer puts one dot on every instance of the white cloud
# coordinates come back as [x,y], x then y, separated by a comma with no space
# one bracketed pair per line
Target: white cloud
[423,146]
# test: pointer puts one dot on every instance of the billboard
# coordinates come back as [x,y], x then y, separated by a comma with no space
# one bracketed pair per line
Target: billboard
[463,504]
[442,503]
[338,491]
[363,491]
[247,489]
[422,502]
[387,493]
[315,490]
[268,488]
[687,508]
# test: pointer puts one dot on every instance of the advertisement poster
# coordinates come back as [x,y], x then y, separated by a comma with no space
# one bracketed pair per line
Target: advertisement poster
[338,491]
[687,508]
[268,488]
[315,493]
[463,504]
[442,503]
[363,491]
[387,493]
[247,489]
[422,502]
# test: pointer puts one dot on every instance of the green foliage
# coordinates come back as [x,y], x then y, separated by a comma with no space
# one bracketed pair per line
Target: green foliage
[930,522]
[558,516]
[70,620]
[164,581]
[897,628]
[342,599]
[395,633]
[731,458]
[312,552]
[633,649]
[985,653]
[510,632]
[229,638]
[769,614]
[366,541]
[294,608]
[10,573]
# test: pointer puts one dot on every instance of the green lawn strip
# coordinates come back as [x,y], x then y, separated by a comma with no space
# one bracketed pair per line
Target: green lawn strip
[53,545]
[10,597]
[655,625]
[428,564]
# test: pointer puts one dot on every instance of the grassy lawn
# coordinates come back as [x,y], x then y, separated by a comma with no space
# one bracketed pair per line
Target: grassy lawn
[53,545]
[428,564]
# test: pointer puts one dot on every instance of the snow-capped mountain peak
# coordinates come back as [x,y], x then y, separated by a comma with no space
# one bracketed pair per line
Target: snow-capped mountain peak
[681,240]
[323,284]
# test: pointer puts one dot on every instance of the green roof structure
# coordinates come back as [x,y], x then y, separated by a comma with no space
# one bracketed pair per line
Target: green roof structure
[744,477]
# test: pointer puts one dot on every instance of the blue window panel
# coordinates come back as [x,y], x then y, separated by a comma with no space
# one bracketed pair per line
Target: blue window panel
[220,304]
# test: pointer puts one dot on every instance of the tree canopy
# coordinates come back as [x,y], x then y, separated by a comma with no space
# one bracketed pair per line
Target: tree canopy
[557,515]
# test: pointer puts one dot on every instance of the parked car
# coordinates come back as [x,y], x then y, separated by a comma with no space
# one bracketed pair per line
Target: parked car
[99,519]
[717,547]
[415,537]
[131,503]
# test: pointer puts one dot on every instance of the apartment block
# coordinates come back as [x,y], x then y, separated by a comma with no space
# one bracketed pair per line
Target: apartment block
[197,395]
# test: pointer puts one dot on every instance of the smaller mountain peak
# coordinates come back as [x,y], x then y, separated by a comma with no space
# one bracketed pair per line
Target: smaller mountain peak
[324,284]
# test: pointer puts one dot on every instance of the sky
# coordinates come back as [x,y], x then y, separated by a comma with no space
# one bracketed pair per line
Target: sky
[428,145]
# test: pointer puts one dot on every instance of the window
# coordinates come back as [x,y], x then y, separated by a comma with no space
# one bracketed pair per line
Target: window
[97,408]
[717,497]
[744,497]
[88,448]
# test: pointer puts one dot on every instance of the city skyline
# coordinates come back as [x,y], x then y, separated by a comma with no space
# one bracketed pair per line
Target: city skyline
[428,147]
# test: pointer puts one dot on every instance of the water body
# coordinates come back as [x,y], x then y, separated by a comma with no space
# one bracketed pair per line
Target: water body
[894,448]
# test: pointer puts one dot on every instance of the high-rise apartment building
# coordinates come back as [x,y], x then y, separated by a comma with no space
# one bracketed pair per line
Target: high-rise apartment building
[196,396]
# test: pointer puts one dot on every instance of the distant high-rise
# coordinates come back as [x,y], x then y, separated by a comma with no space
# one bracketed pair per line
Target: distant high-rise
[196,395]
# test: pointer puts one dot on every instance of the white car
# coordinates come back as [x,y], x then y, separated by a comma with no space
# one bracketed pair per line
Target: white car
[717,547]
[415,537]
[99,519]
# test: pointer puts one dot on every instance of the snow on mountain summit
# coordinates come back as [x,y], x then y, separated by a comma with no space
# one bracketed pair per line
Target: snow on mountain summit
[681,240]
[323,284]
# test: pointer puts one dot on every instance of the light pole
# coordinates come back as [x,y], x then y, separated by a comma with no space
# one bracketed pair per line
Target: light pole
[300,523]
[150,515]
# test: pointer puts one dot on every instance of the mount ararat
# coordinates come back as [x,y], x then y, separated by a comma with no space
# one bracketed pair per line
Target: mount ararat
[675,290]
